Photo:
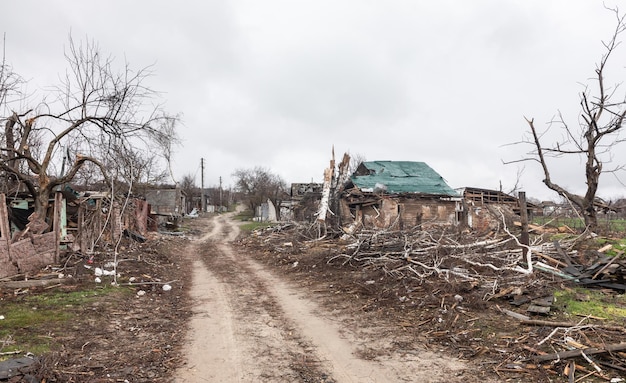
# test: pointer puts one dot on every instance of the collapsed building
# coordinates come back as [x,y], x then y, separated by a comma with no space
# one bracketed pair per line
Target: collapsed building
[383,194]
[77,222]
[403,194]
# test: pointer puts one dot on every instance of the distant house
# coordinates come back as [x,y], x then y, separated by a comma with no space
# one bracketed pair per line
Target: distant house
[303,203]
[166,203]
[384,194]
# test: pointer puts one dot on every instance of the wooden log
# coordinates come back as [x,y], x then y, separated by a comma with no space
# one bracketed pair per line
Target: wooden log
[577,353]
[537,322]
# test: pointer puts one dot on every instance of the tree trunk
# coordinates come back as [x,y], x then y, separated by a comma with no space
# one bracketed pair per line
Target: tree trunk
[589,215]
[37,221]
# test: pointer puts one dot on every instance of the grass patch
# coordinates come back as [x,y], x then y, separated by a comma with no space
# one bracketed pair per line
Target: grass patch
[611,225]
[581,302]
[251,226]
[245,215]
[28,318]
[619,245]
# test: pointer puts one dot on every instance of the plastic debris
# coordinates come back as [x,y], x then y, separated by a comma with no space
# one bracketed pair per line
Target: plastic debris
[100,272]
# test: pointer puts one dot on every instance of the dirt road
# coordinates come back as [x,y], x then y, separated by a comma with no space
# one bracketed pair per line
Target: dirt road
[250,325]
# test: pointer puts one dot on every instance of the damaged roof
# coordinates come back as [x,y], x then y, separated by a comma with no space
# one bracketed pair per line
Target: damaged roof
[400,177]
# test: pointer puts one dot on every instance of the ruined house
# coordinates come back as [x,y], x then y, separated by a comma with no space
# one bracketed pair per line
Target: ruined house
[167,203]
[77,222]
[484,209]
[304,201]
[399,194]
[23,247]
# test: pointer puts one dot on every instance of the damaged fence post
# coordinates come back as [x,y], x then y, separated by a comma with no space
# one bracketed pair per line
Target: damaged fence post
[523,213]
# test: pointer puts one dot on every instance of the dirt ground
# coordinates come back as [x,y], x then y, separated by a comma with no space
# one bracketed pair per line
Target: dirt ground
[252,325]
[250,309]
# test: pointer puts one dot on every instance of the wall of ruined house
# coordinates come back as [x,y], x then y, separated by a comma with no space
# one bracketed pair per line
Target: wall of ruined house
[423,212]
[486,217]
[26,251]
[23,252]
[166,201]
[401,213]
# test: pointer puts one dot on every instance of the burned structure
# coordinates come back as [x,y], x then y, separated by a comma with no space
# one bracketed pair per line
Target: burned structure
[385,194]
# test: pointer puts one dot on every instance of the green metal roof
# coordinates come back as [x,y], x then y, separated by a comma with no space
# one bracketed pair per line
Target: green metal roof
[401,177]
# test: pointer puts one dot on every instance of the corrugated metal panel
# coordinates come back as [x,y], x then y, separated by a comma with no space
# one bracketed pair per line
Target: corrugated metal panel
[402,177]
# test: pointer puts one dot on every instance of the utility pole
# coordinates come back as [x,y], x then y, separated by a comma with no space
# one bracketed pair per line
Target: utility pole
[220,193]
[202,199]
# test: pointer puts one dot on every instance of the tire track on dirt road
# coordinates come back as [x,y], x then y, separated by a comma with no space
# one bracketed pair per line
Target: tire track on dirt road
[237,334]
[251,326]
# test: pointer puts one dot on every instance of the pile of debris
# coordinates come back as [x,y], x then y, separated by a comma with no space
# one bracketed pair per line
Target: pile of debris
[597,269]
[486,279]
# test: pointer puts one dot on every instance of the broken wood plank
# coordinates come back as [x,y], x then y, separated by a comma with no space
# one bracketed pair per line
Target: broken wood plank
[603,283]
[579,353]
[550,259]
[543,301]
[609,263]
[515,315]
[574,271]
[562,253]
[520,301]
[538,309]
[602,260]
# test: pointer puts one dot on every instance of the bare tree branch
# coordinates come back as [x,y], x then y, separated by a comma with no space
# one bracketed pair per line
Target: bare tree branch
[601,121]
[97,113]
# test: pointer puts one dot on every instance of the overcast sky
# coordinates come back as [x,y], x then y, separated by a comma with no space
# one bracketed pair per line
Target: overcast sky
[277,84]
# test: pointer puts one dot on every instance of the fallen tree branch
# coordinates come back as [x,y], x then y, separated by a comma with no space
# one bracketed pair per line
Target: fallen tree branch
[579,353]
[537,322]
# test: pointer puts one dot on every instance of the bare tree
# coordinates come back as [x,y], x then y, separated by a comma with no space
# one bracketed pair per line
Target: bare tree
[95,115]
[137,167]
[355,161]
[188,186]
[597,134]
[10,84]
[258,185]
